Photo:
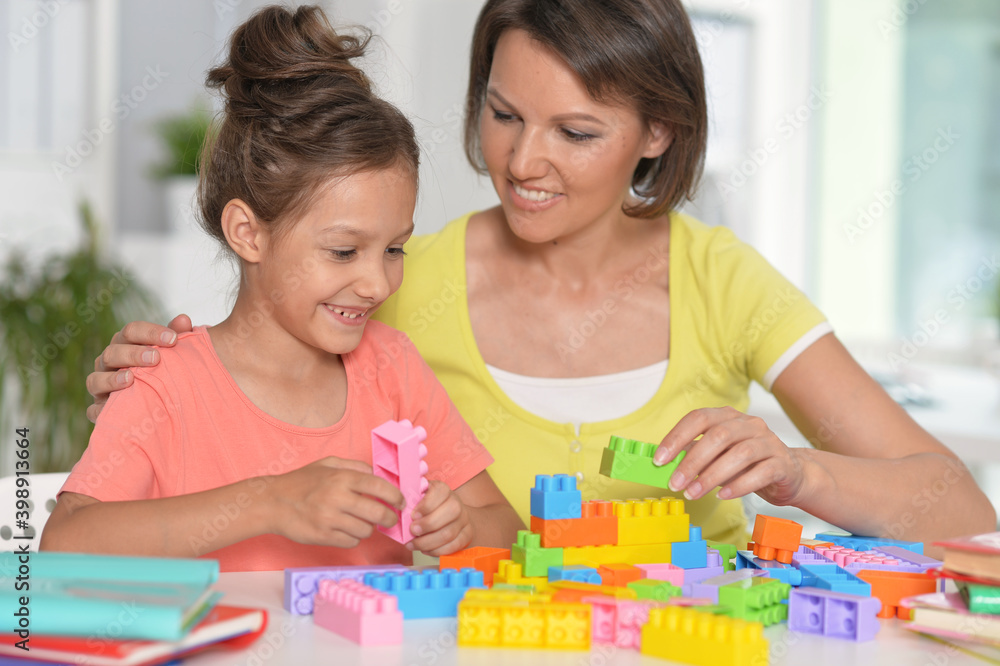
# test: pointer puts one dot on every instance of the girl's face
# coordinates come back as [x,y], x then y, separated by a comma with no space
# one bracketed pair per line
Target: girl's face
[331,270]
[560,161]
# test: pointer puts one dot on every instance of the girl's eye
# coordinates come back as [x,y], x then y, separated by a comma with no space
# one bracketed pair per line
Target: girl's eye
[395,251]
[343,254]
[502,116]
[573,135]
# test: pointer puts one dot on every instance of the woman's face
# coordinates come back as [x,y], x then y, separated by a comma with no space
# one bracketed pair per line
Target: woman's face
[560,161]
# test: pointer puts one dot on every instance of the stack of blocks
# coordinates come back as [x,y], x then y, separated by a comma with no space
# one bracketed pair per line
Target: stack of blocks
[398,457]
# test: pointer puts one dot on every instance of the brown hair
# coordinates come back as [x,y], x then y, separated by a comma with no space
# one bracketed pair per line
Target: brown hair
[297,113]
[641,52]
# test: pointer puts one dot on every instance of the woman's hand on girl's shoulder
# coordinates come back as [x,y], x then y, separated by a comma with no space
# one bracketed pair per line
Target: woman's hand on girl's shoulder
[129,348]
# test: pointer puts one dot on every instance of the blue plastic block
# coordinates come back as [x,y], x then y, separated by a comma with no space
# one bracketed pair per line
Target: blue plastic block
[427,593]
[690,554]
[833,614]
[863,543]
[576,572]
[832,577]
[555,497]
[302,583]
[784,572]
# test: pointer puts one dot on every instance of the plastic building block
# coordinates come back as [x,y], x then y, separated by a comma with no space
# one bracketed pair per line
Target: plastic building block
[891,586]
[805,555]
[618,621]
[556,497]
[690,554]
[654,590]
[833,614]
[813,543]
[709,587]
[480,557]
[653,553]
[692,576]
[867,543]
[495,619]
[619,575]
[755,599]
[511,573]
[302,583]
[535,560]
[694,637]
[832,577]
[576,572]
[596,526]
[359,613]
[786,573]
[668,572]
[980,598]
[728,553]
[572,591]
[775,538]
[651,521]
[398,457]
[632,460]
[906,555]
[427,593]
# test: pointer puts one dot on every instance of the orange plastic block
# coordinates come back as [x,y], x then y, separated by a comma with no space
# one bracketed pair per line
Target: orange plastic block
[571,591]
[651,521]
[487,618]
[891,586]
[775,538]
[695,637]
[510,572]
[619,575]
[482,558]
[597,526]
[594,556]
[814,543]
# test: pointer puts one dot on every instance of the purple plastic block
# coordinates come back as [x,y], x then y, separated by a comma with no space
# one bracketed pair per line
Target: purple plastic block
[668,572]
[619,621]
[302,583]
[905,555]
[714,558]
[358,612]
[805,555]
[709,588]
[833,614]
[398,457]
[692,576]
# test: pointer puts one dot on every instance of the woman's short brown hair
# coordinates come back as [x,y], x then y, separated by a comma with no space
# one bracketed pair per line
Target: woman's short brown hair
[638,52]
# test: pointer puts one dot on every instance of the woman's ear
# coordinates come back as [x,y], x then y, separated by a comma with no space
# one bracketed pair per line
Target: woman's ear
[244,232]
[658,140]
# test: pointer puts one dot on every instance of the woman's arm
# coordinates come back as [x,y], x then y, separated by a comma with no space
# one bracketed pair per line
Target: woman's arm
[874,470]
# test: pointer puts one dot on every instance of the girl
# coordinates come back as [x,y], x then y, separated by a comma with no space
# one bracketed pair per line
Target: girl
[251,439]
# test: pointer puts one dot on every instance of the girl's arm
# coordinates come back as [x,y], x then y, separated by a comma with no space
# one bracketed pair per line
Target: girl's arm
[874,470]
[332,502]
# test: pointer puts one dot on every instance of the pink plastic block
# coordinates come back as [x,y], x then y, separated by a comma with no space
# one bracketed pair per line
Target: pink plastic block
[359,613]
[398,457]
[671,573]
[619,621]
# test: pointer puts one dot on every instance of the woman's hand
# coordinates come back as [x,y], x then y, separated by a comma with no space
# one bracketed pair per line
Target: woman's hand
[735,451]
[331,502]
[441,522]
[128,350]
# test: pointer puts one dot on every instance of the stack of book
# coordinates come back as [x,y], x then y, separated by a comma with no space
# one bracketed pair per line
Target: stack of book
[972,614]
[108,611]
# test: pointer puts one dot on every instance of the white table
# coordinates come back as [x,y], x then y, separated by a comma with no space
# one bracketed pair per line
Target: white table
[295,641]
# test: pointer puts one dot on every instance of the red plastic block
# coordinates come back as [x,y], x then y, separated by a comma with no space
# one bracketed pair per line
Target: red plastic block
[398,457]
[358,612]
[482,558]
[619,621]
[597,526]
[891,586]
[619,575]
[775,538]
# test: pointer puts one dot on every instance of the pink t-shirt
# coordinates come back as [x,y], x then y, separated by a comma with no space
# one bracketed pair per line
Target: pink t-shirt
[184,426]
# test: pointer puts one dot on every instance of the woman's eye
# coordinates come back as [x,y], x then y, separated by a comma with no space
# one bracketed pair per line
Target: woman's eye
[573,135]
[503,117]
[395,251]
[343,254]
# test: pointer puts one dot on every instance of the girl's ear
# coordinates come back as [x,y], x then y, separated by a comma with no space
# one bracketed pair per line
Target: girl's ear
[658,140]
[244,232]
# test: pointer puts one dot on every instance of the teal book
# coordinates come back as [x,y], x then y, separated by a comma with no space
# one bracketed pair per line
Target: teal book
[105,597]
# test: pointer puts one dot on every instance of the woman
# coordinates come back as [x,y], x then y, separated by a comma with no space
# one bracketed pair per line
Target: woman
[582,306]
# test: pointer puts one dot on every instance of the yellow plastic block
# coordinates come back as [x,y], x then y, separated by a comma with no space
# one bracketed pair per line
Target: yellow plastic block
[517,620]
[510,572]
[594,556]
[694,637]
[651,521]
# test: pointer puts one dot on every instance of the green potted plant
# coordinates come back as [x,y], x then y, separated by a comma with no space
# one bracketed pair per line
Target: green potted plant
[54,320]
[182,137]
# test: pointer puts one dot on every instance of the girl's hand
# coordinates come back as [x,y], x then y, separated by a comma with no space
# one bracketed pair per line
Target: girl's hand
[127,350]
[736,451]
[331,502]
[441,522]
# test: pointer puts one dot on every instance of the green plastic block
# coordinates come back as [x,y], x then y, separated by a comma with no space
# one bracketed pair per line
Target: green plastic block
[632,460]
[728,553]
[654,590]
[756,600]
[534,560]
